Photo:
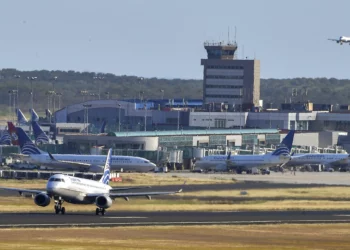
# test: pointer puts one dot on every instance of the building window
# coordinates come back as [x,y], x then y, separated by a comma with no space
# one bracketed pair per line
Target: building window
[223,86]
[224,67]
[223,96]
[223,77]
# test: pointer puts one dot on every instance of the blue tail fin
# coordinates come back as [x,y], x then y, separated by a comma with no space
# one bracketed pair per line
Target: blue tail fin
[21,119]
[5,138]
[286,145]
[34,115]
[26,145]
[107,170]
[102,130]
[39,134]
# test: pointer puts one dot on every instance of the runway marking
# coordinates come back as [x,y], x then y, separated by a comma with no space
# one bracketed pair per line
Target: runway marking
[172,223]
[348,215]
[126,217]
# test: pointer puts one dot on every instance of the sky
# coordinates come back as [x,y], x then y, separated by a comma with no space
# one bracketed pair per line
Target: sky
[164,39]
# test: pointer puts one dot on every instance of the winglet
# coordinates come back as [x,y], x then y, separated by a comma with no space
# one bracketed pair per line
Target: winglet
[106,171]
[51,156]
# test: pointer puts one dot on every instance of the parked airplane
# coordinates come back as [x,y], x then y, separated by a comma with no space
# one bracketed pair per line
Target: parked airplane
[341,40]
[92,163]
[39,134]
[246,162]
[326,159]
[75,190]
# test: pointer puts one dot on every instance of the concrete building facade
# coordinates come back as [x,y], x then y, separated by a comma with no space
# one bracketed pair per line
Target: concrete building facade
[228,80]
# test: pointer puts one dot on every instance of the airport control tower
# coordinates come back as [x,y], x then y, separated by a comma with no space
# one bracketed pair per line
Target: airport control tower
[229,80]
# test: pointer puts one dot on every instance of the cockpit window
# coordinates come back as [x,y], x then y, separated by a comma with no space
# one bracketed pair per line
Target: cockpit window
[56,180]
[146,161]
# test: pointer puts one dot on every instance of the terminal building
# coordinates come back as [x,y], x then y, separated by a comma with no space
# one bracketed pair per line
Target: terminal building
[229,80]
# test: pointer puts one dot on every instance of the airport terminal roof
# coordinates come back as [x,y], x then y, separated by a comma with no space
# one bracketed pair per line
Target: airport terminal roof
[194,132]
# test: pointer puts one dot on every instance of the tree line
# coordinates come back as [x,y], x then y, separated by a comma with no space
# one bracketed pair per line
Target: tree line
[74,87]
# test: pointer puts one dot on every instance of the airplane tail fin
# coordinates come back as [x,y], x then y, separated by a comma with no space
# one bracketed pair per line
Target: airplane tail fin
[5,138]
[26,145]
[107,169]
[286,145]
[102,130]
[12,130]
[39,134]
[21,119]
[34,115]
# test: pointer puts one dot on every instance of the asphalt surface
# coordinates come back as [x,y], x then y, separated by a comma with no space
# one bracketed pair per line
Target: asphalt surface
[113,219]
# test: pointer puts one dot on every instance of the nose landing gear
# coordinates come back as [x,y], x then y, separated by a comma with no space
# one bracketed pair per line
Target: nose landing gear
[101,211]
[58,207]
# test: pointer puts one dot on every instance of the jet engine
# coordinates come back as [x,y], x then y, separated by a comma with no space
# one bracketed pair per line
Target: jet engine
[103,201]
[42,200]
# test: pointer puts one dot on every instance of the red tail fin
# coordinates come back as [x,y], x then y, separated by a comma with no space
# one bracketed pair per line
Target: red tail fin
[12,131]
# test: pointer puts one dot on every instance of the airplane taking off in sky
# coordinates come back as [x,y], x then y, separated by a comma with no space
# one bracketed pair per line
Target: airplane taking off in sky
[75,190]
[246,162]
[86,163]
[341,40]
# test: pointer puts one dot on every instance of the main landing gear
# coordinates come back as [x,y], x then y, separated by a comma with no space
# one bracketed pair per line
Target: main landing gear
[59,208]
[100,211]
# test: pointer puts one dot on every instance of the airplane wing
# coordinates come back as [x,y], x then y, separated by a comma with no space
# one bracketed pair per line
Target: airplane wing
[336,40]
[126,195]
[72,163]
[126,188]
[21,190]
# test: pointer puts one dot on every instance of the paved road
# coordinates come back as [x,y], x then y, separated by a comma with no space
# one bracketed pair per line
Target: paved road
[112,219]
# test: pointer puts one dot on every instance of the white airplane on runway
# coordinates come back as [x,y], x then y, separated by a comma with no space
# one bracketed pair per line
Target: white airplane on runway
[247,162]
[87,163]
[341,40]
[75,190]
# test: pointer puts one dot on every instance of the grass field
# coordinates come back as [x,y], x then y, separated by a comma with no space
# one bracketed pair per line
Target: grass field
[315,198]
[262,237]
[129,179]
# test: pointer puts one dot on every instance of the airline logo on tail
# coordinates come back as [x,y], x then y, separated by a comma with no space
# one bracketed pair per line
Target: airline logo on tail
[39,134]
[27,146]
[13,133]
[107,169]
[286,145]
[5,138]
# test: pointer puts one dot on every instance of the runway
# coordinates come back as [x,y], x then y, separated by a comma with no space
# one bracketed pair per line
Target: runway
[114,219]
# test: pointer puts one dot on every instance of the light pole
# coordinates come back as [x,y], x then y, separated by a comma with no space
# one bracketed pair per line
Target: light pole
[118,104]
[53,94]
[140,83]
[10,104]
[17,100]
[162,91]
[145,107]
[86,117]
[178,119]
[107,94]
[31,79]
[84,93]
[99,78]
[59,99]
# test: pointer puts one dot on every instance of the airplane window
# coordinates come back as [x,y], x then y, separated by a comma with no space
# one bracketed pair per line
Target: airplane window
[145,161]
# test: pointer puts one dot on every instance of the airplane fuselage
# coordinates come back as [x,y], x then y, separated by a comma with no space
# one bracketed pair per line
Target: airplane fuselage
[218,162]
[74,190]
[127,163]
[324,159]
